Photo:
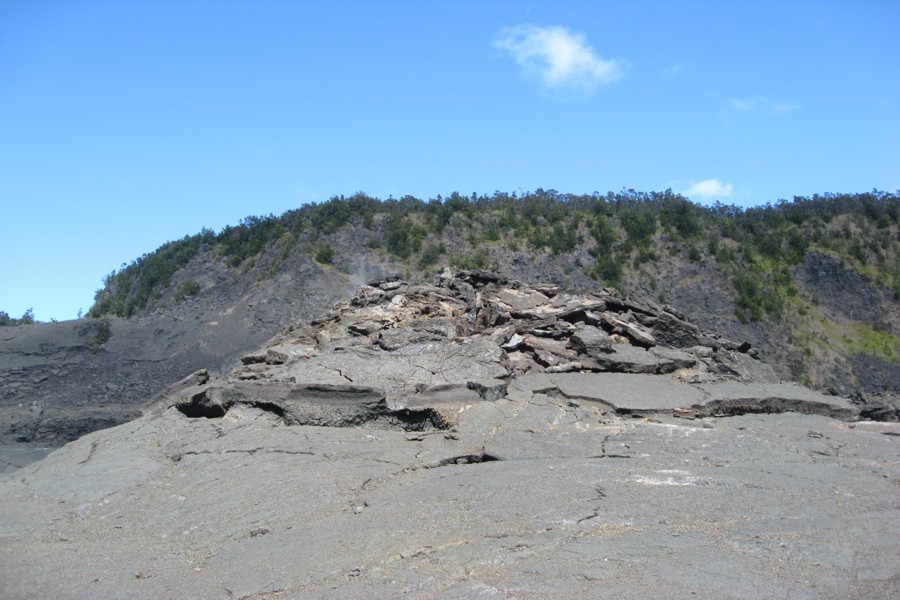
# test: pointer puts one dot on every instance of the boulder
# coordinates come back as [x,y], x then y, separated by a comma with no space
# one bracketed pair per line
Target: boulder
[519,300]
[672,331]
[590,341]
[625,358]
[636,333]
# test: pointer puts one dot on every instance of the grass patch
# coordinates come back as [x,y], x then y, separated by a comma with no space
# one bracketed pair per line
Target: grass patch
[862,338]
[854,337]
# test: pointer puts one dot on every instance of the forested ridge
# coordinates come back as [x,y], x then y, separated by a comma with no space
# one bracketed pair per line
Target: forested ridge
[625,233]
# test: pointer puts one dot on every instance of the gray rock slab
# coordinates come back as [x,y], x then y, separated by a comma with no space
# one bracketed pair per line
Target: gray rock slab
[14,456]
[776,506]
[451,394]
[774,397]
[629,393]
[591,341]
[673,331]
[515,444]
[403,371]
[672,359]
[650,394]
[519,300]
[625,358]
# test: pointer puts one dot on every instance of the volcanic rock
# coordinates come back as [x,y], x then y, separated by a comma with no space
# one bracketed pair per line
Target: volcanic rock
[449,440]
[591,341]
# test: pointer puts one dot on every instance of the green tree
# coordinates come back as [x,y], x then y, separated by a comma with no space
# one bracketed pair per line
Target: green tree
[397,237]
[325,254]
[431,254]
[639,225]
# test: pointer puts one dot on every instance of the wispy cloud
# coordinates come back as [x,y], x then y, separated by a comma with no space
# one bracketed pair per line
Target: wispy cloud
[742,105]
[708,189]
[763,105]
[557,56]
[779,108]
[673,71]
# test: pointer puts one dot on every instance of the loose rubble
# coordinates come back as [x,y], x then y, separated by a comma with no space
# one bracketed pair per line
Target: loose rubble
[428,347]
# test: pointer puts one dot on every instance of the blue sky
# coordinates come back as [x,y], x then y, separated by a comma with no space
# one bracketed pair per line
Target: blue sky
[125,124]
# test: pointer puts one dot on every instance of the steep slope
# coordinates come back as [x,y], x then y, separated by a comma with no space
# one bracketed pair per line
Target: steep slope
[752,274]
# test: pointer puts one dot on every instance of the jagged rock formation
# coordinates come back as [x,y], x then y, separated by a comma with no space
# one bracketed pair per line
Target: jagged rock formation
[470,437]
[466,336]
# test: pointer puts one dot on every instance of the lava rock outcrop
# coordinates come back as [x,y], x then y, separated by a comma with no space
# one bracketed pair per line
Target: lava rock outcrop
[395,348]
[472,437]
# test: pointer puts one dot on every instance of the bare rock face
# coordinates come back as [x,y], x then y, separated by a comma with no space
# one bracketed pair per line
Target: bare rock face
[473,437]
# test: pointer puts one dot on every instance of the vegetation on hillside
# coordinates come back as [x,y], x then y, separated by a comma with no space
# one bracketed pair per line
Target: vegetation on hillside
[622,233]
[128,291]
[25,319]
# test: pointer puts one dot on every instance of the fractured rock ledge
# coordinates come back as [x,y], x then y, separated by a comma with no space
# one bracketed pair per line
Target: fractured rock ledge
[473,437]
[429,345]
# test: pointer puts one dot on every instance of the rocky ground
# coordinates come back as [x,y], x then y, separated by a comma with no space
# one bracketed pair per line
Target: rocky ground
[59,381]
[473,437]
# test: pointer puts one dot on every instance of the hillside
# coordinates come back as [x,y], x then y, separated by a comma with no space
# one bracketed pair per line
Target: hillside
[812,283]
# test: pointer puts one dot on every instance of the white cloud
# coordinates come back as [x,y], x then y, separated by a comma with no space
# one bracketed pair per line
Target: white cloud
[742,105]
[763,104]
[709,189]
[779,108]
[673,71]
[558,57]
